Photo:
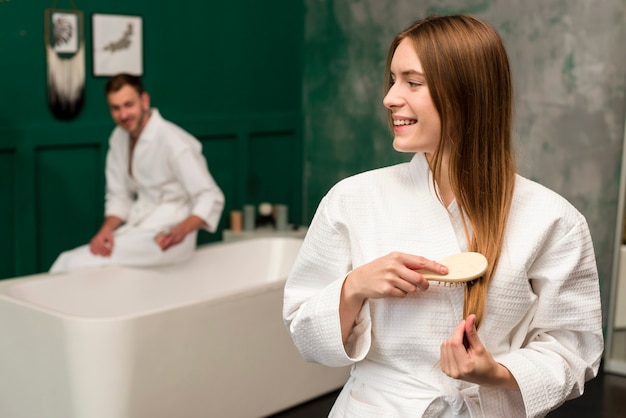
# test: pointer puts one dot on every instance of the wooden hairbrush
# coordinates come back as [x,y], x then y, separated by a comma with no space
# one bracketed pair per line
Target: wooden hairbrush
[462,268]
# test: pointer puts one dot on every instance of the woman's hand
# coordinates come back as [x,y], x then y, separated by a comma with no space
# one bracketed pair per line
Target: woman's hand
[393,275]
[463,356]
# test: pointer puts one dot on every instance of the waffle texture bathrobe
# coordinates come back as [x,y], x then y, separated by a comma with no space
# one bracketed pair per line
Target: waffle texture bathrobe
[170,181]
[542,320]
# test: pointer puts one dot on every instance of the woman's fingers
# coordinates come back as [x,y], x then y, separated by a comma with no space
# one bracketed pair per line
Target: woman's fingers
[471,334]
[393,275]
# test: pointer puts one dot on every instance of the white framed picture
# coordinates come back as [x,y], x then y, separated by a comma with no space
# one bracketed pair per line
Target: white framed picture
[117,44]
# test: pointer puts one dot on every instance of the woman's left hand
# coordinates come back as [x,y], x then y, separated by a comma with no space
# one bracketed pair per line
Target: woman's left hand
[463,356]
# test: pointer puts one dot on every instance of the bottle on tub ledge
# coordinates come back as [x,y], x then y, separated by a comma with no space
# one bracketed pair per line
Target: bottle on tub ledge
[281,217]
[249,217]
[269,217]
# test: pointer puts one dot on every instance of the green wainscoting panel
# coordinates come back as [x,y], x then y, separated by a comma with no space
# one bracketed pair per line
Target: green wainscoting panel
[254,158]
[7,213]
[221,70]
[70,190]
[221,156]
[274,173]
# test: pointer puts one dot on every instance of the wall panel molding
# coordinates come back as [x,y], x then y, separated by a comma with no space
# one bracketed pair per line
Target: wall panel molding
[8,209]
[254,158]
[210,89]
[69,182]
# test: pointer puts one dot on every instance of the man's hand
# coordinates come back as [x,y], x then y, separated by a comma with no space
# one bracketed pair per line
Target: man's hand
[177,234]
[102,243]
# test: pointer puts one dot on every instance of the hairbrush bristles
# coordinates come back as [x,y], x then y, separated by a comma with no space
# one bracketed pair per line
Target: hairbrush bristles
[449,284]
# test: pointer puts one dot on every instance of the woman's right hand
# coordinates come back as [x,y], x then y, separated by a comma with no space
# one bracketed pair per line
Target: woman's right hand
[393,275]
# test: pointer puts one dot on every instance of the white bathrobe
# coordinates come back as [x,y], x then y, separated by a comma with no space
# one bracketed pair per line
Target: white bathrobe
[543,315]
[170,181]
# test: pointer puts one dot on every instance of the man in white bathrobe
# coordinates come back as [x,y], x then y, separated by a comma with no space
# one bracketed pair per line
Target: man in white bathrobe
[159,191]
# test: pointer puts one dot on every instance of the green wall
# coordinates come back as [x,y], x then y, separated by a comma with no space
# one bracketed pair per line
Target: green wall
[228,72]
[286,98]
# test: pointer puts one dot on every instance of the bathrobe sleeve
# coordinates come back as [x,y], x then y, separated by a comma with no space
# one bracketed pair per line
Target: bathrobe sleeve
[312,292]
[192,171]
[119,196]
[564,342]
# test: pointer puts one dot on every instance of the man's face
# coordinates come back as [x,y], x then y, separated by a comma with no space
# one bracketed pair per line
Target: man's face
[129,109]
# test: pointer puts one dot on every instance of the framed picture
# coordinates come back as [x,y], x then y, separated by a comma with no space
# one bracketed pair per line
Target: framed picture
[64,30]
[117,44]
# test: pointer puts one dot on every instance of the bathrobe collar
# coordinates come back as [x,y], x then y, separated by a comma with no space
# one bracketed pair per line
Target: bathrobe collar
[449,220]
[152,127]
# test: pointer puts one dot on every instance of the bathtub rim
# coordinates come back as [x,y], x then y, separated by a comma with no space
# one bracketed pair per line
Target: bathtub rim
[262,287]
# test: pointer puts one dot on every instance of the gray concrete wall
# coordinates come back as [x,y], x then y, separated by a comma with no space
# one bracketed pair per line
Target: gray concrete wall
[569,67]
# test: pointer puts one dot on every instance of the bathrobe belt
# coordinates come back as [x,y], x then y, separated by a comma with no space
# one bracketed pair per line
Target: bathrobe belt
[140,209]
[457,399]
[436,399]
[161,215]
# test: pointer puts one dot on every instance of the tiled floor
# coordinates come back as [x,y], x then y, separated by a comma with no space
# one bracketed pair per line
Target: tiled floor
[604,397]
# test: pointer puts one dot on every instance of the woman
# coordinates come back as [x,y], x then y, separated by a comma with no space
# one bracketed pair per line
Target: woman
[517,342]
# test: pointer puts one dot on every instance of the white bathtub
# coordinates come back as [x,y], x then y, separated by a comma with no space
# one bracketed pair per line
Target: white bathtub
[200,340]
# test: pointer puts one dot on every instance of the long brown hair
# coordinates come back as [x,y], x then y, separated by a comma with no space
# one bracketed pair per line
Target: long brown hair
[468,76]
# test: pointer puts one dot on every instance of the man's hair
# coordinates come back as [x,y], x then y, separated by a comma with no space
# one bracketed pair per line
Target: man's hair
[116,82]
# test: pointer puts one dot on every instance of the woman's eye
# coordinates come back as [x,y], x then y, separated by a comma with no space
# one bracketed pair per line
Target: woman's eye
[414,84]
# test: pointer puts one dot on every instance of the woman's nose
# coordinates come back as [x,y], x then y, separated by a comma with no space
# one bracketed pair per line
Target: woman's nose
[391,99]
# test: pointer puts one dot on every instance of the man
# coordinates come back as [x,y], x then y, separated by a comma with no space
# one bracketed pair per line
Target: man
[159,191]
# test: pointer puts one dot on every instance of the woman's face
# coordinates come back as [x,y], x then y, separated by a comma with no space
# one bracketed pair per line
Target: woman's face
[416,122]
